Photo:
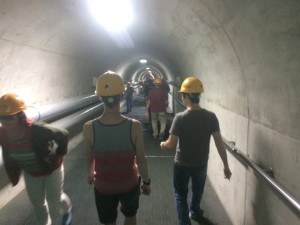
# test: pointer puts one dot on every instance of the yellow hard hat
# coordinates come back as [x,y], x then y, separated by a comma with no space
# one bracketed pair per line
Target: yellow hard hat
[191,85]
[109,84]
[157,81]
[11,104]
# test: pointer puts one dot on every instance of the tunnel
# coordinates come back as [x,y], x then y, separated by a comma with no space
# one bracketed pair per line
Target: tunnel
[246,53]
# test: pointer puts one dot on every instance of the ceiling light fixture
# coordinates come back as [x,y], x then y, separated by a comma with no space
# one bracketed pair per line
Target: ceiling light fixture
[143,61]
[114,15]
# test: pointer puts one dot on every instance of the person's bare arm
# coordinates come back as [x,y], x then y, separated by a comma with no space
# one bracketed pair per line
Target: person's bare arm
[222,152]
[88,143]
[147,108]
[166,100]
[141,161]
[170,143]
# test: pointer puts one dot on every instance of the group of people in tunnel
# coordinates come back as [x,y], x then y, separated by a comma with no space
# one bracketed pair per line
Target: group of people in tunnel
[116,161]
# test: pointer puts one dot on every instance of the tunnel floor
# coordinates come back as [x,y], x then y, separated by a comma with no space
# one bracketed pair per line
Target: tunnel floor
[156,209]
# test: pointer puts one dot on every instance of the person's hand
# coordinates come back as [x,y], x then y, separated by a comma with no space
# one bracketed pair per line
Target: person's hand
[162,145]
[146,114]
[146,190]
[227,173]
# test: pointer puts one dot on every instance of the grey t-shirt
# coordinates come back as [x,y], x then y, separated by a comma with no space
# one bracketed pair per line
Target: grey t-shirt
[194,129]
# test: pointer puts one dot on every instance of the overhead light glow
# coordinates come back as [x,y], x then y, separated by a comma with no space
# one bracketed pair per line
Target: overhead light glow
[143,61]
[114,15]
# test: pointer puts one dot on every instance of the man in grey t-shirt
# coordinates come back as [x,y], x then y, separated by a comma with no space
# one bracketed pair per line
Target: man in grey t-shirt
[190,133]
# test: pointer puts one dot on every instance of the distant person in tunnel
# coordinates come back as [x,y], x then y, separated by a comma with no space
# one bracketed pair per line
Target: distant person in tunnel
[147,86]
[190,133]
[129,96]
[157,102]
[37,149]
[165,85]
[114,148]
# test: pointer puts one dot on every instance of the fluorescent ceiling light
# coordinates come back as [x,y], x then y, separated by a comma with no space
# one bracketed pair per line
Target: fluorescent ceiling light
[114,15]
[143,61]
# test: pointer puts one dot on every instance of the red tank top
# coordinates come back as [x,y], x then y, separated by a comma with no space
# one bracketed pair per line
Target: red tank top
[115,165]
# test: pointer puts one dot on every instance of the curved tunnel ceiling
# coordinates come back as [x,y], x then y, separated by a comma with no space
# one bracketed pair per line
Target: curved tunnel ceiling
[236,48]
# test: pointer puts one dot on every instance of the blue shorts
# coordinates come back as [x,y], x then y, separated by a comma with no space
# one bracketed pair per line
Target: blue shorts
[107,205]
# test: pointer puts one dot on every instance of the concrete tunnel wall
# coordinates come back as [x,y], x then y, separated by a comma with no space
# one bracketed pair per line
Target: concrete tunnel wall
[245,52]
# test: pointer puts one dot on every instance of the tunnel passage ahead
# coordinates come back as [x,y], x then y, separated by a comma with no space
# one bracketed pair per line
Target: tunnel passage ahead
[246,53]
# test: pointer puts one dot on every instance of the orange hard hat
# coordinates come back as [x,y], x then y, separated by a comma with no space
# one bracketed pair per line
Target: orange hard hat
[11,104]
[157,81]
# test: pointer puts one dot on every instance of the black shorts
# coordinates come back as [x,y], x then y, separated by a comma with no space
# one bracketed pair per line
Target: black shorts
[107,204]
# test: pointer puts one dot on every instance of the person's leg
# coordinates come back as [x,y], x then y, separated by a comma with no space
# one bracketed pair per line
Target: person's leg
[198,183]
[154,123]
[59,203]
[130,220]
[162,119]
[128,105]
[106,207]
[180,181]
[130,204]
[114,223]
[36,192]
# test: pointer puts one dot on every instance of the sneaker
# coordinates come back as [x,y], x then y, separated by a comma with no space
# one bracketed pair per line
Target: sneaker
[67,219]
[200,219]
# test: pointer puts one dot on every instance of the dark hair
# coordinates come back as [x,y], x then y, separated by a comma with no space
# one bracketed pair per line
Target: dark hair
[194,97]
[22,118]
[111,101]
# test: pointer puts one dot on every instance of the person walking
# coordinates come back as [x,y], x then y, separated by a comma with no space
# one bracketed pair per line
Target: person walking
[115,154]
[37,149]
[165,85]
[157,102]
[129,96]
[190,133]
[147,86]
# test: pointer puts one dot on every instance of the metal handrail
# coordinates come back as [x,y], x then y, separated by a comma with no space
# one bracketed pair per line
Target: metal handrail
[280,191]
